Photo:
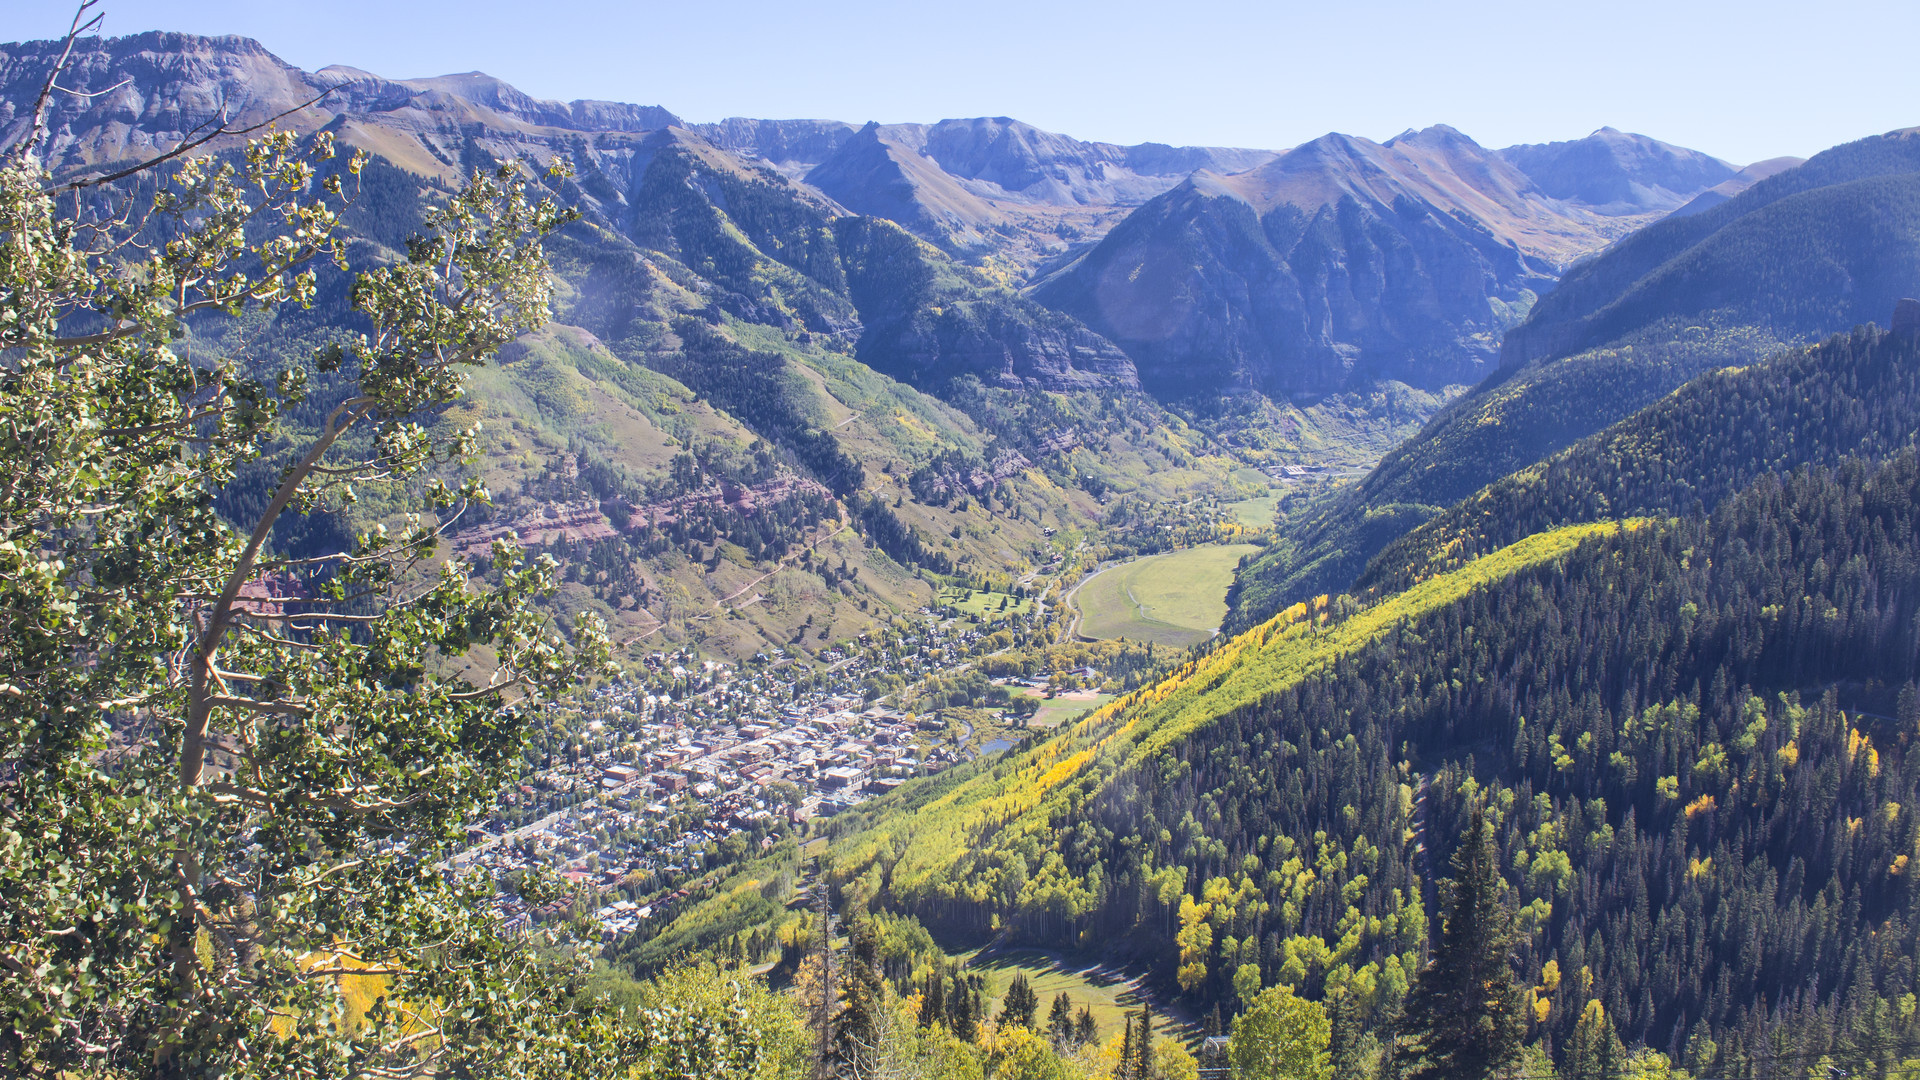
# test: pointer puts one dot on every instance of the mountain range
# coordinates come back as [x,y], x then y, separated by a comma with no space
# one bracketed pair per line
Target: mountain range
[1808,251]
[865,299]
[1295,273]
[1639,591]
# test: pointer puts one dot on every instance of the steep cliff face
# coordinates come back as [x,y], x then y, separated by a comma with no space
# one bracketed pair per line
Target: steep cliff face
[1005,163]
[993,186]
[927,322]
[140,95]
[713,209]
[792,146]
[1005,158]
[134,93]
[875,172]
[581,115]
[768,251]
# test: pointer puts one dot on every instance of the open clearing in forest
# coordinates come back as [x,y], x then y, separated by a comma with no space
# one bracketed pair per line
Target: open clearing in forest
[1057,710]
[1174,599]
[1256,513]
[1109,996]
[991,606]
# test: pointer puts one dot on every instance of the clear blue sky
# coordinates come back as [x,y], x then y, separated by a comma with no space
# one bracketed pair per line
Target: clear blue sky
[1743,80]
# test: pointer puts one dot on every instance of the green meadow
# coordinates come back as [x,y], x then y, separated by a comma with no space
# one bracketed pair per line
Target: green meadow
[1175,599]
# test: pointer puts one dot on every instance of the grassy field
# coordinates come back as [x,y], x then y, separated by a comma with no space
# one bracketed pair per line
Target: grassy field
[1056,711]
[1099,990]
[1256,513]
[985,605]
[1174,599]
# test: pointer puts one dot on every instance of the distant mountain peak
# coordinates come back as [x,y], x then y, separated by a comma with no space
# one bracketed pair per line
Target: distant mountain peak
[1619,173]
[346,71]
[1432,133]
[1345,260]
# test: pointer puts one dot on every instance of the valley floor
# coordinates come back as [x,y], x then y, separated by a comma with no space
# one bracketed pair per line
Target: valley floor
[1176,599]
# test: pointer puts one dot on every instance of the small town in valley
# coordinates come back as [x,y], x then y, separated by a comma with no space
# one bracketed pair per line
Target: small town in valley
[690,763]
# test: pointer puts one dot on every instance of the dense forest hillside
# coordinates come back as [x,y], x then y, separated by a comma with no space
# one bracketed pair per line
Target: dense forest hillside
[941,845]
[1853,396]
[1702,823]
[1509,422]
[1809,251]
[1820,244]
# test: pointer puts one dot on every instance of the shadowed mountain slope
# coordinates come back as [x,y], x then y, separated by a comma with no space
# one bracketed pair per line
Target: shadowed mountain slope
[1344,261]
[1810,251]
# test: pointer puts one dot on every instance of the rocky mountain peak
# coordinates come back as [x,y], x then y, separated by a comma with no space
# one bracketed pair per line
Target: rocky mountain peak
[1617,173]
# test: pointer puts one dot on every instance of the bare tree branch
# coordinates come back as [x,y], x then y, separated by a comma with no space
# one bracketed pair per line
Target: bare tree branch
[37,116]
[189,145]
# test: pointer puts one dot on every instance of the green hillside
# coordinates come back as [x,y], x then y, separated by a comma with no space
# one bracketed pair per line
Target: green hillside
[929,846]
[1724,761]
[1501,426]
[1582,310]
[1809,252]
[1853,396]
[841,356]
[728,332]
[1683,815]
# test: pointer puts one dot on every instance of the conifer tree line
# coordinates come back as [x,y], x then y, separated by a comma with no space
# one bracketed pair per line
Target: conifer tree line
[1854,396]
[1695,825]
[1644,810]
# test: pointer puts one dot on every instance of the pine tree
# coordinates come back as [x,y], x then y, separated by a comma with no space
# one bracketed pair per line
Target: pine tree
[1085,1030]
[1464,1014]
[1347,1027]
[856,1031]
[1594,1052]
[1143,1045]
[1124,1071]
[1060,1020]
[1020,1004]
[960,1016]
[933,1004]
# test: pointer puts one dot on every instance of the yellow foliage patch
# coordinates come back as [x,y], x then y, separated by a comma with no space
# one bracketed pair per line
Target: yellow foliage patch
[361,984]
[1020,796]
